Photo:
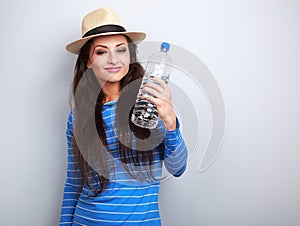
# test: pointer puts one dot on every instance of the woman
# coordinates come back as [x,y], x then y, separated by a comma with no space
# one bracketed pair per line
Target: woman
[114,167]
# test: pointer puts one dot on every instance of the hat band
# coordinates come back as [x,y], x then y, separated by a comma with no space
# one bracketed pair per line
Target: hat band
[104,29]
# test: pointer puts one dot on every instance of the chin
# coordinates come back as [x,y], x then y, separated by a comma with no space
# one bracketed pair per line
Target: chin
[113,79]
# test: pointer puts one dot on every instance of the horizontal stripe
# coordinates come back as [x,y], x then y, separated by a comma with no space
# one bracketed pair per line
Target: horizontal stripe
[122,213]
[118,204]
[114,221]
[126,200]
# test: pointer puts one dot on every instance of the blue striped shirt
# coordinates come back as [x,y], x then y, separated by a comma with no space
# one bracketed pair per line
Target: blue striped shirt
[125,201]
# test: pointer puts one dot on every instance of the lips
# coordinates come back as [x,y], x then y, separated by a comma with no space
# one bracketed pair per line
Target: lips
[113,69]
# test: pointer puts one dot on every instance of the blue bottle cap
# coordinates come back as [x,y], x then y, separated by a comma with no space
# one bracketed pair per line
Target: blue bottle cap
[165,46]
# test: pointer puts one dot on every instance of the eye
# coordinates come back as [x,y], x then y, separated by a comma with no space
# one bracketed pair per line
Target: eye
[121,50]
[100,52]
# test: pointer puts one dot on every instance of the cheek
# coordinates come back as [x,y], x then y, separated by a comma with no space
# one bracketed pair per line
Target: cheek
[97,68]
[97,61]
[124,59]
[126,69]
[100,73]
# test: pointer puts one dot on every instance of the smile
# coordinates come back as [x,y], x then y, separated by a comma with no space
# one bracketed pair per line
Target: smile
[113,69]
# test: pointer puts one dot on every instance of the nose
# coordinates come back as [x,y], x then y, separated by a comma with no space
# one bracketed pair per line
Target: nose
[112,57]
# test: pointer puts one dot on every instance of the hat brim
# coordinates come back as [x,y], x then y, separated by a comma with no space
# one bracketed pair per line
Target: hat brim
[75,46]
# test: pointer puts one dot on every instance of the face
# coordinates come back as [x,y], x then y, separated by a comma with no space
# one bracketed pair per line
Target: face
[109,58]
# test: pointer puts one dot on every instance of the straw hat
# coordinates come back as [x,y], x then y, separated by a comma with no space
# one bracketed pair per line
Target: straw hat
[100,22]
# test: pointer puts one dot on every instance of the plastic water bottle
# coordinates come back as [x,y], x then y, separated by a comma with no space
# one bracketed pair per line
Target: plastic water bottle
[145,113]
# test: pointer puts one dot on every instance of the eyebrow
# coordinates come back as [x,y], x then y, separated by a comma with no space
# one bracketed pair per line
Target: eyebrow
[103,46]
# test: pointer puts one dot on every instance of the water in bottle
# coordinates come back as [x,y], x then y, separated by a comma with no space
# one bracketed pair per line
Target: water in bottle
[145,113]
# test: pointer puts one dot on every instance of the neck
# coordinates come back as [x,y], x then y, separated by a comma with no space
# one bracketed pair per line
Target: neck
[111,91]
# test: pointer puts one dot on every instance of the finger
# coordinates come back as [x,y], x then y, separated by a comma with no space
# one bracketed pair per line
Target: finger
[160,81]
[152,99]
[159,85]
[158,91]
[154,86]
[153,92]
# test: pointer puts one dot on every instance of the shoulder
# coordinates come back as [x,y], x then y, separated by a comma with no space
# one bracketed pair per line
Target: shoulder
[70,119]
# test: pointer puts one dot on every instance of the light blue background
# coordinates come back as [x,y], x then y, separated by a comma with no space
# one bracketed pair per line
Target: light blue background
[251,47]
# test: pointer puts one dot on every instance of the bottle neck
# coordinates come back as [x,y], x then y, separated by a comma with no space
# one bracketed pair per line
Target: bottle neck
[165,50]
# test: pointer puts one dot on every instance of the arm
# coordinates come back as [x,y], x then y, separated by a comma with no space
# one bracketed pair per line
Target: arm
[73,181]
[175,154]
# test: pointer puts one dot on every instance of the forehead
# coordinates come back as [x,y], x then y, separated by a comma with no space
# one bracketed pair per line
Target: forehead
[110,40]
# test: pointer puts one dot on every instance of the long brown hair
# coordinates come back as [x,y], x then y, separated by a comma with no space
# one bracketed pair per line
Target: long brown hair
[88,97]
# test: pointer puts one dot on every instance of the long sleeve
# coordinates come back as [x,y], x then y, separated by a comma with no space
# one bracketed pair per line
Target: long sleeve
[73,181]
[175,154]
